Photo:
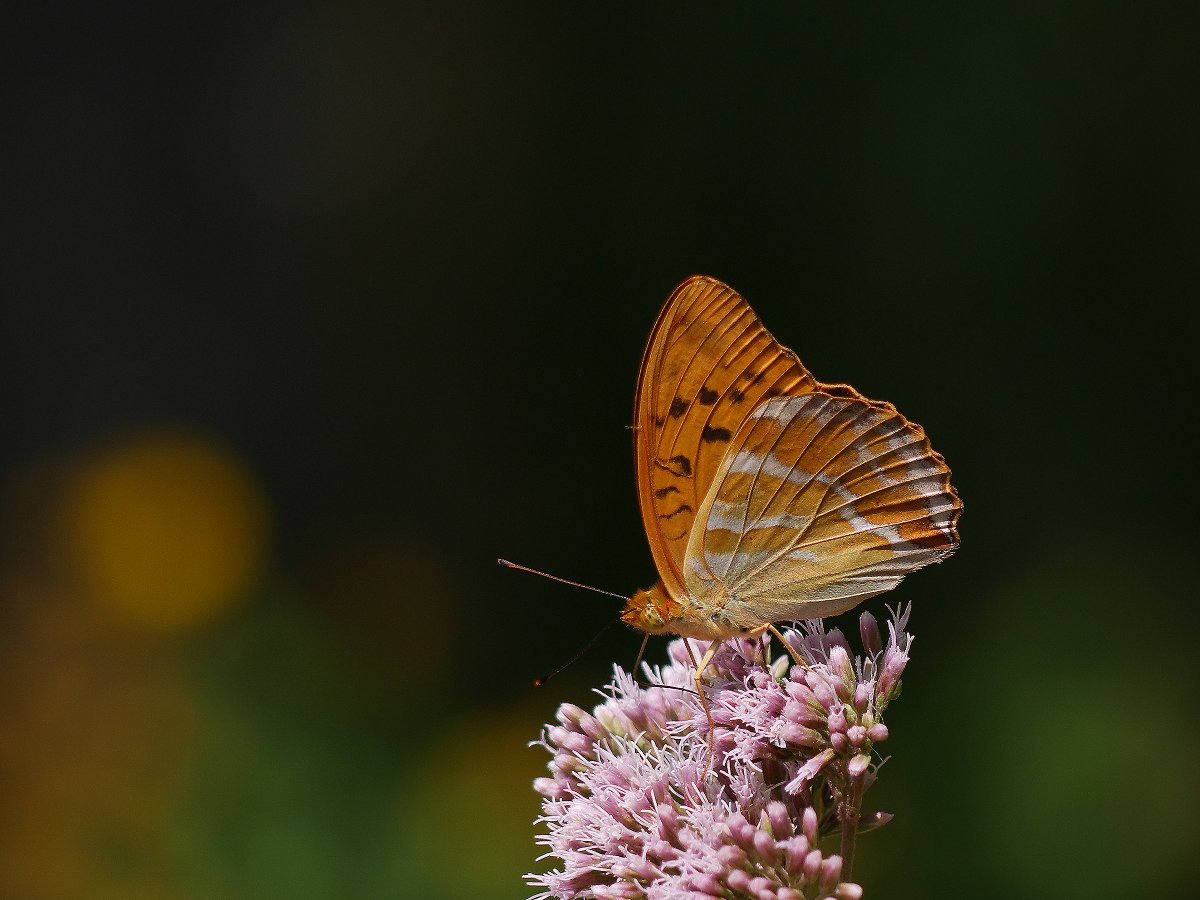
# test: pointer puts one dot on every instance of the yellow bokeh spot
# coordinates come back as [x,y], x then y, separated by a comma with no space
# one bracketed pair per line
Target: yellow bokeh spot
[165,531]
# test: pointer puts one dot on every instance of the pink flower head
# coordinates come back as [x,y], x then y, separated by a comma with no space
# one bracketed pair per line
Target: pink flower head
[633,809]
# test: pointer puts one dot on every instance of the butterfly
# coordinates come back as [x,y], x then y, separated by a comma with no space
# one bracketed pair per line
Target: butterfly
[767,495]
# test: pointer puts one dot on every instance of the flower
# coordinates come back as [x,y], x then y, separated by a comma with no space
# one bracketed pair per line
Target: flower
[635,808]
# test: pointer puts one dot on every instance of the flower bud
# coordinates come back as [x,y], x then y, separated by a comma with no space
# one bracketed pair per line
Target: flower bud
[823,692]
[765,849]
[868,630]
[843,689]
[862,696]
[549,788]
[800,692]
[812,864]
[591,726]
[738,880]
[778,819]
[796,849]
[557,734]
[836,640]
[802,713]
[731,856]
[801,736]
[894,661]
[570,740]
[837,719]
[808,824]
[857,735]
[741,831]
[570,715]
[705,884]
[858,765]
[831,871]
[878,732]
[565,763]
[611,720]
[761,888]
[839,664]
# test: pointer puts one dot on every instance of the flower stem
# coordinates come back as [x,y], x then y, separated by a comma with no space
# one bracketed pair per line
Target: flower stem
[850,813]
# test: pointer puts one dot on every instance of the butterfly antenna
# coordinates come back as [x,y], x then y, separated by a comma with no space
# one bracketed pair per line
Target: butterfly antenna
[586,587]
[538,682]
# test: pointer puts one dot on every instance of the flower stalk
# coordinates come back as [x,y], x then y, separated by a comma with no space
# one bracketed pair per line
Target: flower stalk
[849,815]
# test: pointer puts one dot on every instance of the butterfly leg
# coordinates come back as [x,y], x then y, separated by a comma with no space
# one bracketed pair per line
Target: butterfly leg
[788,647]
[699,678]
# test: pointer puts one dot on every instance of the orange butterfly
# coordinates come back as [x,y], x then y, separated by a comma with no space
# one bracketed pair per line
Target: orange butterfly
[766,495]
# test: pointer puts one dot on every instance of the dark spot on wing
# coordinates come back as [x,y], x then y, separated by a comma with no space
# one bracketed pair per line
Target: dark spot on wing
[683,507]
[736,396]
[711,434]
[679,466]
[707,397]
[669,489]
[772,392]
[678,408]
[756,378]
[659,421]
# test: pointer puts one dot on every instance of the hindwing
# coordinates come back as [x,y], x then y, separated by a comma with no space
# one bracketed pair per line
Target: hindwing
[820,502]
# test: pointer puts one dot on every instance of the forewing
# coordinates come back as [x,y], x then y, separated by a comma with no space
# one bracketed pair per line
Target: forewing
[708,364]
[821,502]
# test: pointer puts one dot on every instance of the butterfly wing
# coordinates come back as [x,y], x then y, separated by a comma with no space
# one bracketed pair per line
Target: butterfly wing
[820,502]
[708,363]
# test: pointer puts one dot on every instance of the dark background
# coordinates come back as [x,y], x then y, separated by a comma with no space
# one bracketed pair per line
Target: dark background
[313,311]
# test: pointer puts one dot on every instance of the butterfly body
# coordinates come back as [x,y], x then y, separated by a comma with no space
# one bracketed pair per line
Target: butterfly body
[766,495]
[709,618]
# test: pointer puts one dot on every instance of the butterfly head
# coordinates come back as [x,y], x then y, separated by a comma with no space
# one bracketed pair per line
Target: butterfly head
[648,610]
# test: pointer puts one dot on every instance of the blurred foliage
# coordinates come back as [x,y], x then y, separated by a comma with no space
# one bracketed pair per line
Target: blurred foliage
[314,311]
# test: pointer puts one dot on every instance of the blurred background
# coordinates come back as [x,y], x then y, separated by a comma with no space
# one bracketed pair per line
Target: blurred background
[312,311]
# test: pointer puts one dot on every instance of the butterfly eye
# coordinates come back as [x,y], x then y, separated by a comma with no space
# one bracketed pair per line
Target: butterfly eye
[643,612]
